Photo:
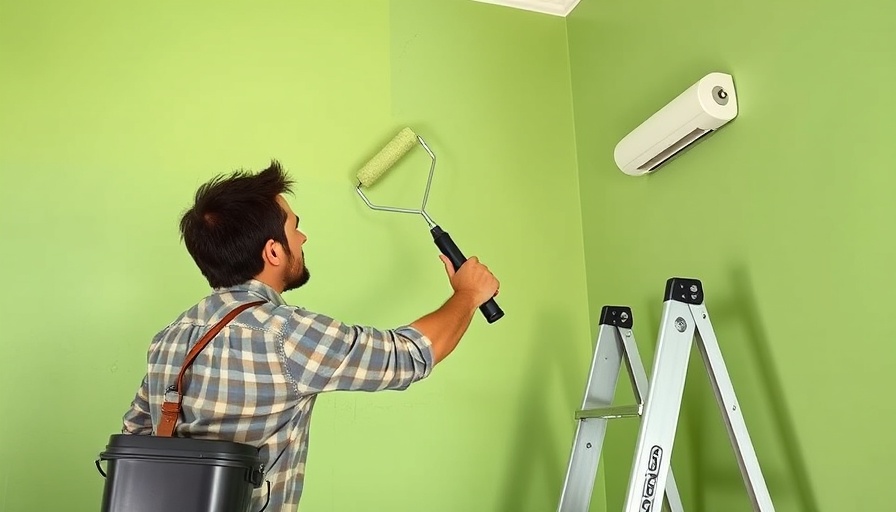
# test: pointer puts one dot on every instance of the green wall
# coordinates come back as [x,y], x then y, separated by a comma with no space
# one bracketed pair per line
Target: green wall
[112,114]
[786,214]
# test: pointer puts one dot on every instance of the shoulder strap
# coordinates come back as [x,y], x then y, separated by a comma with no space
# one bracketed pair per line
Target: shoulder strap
[171,410]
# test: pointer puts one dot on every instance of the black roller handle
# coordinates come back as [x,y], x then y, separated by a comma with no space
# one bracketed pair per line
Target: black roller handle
[489,309]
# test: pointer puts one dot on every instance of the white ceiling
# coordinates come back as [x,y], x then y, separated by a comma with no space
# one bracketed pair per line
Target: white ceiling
[555,7]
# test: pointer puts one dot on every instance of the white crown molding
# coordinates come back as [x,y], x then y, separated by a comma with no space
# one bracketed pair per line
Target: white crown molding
[554,7]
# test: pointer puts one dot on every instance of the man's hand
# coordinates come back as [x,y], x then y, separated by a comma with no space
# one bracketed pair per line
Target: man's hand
[473,279]
[473,285]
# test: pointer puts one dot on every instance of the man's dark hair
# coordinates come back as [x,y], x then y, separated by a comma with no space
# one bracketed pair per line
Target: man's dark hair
[231,220]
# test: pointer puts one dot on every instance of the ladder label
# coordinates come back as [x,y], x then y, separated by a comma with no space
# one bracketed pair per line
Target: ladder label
[655,458]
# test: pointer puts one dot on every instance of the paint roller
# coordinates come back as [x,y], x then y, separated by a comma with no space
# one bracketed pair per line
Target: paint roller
[387,157]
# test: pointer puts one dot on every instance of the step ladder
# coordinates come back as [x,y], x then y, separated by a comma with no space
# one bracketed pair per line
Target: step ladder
[651,482]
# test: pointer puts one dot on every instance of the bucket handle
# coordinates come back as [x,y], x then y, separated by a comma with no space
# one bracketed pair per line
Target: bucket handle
[100,469]
[267,500]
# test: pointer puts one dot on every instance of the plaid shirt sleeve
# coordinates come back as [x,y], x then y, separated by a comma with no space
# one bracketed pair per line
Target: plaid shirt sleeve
[324,354]
[137,419]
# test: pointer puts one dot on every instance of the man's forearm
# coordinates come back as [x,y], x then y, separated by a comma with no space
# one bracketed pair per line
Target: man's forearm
[446,325]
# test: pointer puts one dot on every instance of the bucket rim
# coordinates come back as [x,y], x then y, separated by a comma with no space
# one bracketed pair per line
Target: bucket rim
[136,446]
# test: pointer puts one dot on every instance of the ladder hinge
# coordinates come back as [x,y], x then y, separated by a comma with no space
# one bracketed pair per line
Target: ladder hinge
[688,291]
[617,316]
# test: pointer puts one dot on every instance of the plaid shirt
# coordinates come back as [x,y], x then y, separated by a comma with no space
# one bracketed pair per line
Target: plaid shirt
[257,381]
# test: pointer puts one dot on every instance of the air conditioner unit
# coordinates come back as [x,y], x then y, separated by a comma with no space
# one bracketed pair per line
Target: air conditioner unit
[702,109]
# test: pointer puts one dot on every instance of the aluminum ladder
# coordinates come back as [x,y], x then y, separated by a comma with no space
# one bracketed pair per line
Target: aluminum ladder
[685,320]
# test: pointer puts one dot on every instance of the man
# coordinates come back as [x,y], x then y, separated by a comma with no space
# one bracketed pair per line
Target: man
[257,381]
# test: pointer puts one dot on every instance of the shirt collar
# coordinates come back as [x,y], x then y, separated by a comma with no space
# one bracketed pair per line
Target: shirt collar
[257,288]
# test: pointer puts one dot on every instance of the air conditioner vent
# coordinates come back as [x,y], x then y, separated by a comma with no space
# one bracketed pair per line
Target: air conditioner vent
[667,154]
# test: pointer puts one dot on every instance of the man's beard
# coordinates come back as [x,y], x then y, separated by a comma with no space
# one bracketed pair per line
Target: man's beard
[298,278]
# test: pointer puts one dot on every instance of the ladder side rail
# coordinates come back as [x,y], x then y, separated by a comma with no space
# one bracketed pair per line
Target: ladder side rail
[578,484]
[708,345]
[640,384]
[651,464]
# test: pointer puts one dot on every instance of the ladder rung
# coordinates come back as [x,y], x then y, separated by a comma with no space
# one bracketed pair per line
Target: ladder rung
[617,411]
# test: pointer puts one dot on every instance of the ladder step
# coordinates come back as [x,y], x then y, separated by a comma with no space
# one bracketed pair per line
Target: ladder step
[616,411]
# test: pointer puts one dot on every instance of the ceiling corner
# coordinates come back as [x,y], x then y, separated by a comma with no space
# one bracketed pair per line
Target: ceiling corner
[553,7]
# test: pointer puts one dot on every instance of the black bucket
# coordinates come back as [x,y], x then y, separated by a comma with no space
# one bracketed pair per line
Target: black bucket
[151,473]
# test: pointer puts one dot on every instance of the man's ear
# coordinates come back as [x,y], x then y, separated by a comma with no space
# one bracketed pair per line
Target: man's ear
[273,253]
